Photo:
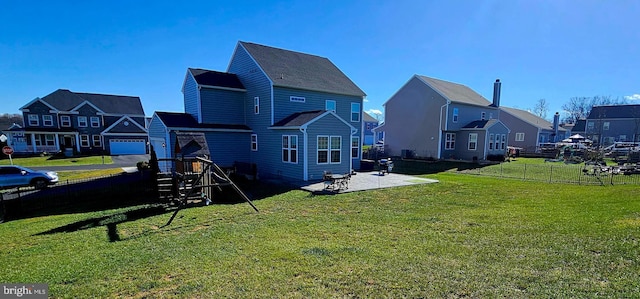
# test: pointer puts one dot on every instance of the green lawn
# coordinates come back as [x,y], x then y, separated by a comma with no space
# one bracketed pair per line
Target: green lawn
[467,236]
[49,161]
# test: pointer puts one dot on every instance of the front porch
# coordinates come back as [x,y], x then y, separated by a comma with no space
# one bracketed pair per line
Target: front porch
[39,142]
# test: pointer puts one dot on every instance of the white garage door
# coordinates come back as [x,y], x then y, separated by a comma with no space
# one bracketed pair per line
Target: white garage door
[128,146]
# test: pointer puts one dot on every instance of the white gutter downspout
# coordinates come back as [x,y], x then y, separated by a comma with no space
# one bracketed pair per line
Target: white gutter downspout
[305,152]
[353,132]
[440,127]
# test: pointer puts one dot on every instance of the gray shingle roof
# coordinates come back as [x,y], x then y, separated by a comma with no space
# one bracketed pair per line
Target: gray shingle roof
[530,118]
[301,71]
[456,92]
[617,111]
[184,120]
[65,100]
[299,118]
[368,118]
[213,78]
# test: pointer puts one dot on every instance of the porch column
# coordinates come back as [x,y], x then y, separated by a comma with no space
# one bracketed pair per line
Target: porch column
[57,141]
[33,142]
[78,142]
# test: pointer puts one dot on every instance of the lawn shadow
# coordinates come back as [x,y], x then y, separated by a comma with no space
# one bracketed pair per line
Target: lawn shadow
[111,221]
[423,167]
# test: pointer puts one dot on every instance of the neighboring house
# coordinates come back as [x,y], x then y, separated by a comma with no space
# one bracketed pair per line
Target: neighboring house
[293,115]
[81,123]
[579,127]
[528,131]
[432,118]
[608,124]
[368,124]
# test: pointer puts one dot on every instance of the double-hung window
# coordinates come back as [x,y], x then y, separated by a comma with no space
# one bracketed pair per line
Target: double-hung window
[503,143]
[290,148]
[49,139]
[450,141]
[519,136]
[355,147]
[455,115]
[97,140]
[355,112]
[82,122]
[47,120]
[33,120]
[84,140]
[65,121]
[329,149]
[491,141]
[254,142]
[95,122]
[605,126]
[473,141]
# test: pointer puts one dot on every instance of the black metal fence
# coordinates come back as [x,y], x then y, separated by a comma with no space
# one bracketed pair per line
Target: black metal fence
[106,191]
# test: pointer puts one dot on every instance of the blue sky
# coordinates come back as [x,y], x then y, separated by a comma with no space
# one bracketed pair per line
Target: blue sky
[553,49]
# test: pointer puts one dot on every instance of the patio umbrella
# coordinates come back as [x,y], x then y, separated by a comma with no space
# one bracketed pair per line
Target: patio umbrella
[577,136]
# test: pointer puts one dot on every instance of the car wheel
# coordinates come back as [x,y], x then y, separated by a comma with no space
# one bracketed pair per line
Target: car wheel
[39,184]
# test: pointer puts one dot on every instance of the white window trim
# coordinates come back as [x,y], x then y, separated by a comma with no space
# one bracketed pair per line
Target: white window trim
[339,149]
[474,142]
[503,142]
[97,119]
[254,142]
[256,105]
[359,112]
[47,118]
[606,125]
[326,105]
[289,149]
[93,140]
[84,140]
[297,99]
[357,147]
[455,115]
[451,144]
[65,121]
[491,141]
[85,122]
[33,118]
[519,136]
[49,138]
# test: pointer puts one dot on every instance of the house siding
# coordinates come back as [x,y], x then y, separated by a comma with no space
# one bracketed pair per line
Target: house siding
[190,95]
[257,84]
[228,147]
[467,114]
[516,125]
[121,128]
[328,126]
[629,127]
[222,106]
[407,126]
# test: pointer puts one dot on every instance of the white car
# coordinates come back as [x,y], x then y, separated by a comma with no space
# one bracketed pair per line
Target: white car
[18,176]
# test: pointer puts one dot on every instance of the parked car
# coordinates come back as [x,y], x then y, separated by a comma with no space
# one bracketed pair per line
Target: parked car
[18,176]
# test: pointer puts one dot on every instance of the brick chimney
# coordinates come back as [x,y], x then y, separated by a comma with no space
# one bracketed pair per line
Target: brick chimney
[496,93]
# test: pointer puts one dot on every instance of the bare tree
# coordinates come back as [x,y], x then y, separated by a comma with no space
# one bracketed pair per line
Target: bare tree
[579,107]
[541,108]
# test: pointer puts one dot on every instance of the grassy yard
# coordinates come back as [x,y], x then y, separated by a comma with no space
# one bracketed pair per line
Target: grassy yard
[49,161]
[467,236]
[86,174]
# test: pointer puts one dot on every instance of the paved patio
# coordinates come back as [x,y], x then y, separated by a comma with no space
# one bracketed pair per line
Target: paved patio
[370,180]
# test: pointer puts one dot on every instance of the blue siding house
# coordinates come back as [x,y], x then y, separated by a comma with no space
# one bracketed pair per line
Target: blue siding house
[617,123]
[368,124]
[293,115]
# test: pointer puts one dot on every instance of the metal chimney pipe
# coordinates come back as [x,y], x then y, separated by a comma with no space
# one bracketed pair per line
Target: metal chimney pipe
[556,123]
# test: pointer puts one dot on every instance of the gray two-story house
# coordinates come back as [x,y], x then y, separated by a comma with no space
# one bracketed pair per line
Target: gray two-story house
[294,115]
[618,123]
[528,131]
[432,118]
[81,123]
